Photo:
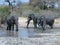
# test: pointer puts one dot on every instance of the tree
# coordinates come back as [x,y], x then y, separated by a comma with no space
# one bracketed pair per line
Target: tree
[11,3]
[4,13]
[18,4]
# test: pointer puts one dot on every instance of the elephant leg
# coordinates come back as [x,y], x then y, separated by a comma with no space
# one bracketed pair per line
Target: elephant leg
[12,27]
[9,27]
[51,26]
[35,25]
[43,25]
[28,23]
[16,27]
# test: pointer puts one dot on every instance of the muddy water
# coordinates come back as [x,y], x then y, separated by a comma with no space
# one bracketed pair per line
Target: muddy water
[24,32]
[30,32]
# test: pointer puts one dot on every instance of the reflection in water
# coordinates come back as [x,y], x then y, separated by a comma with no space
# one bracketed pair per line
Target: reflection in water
[11,33]
[23,33]
[2,33]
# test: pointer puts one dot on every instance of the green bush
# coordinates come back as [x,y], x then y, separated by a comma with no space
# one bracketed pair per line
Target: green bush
[4,11]
[36,10]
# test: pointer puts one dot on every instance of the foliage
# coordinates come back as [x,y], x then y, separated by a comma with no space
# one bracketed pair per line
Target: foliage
[26,6]
[4,11]
[36,10]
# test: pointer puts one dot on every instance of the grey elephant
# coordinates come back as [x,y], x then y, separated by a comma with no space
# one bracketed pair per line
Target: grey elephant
[11,21]
[32,17]
[43,21]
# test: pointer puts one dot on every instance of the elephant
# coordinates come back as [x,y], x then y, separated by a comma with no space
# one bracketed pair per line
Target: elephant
[32,17]
[43,21]
[11,21]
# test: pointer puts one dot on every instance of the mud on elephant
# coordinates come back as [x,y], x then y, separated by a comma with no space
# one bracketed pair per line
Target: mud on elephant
[11,21]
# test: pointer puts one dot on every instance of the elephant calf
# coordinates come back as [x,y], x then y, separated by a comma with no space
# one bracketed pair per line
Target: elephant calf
[11,21]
